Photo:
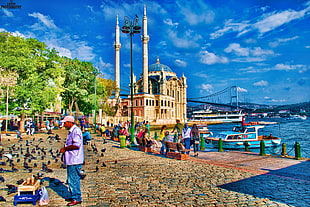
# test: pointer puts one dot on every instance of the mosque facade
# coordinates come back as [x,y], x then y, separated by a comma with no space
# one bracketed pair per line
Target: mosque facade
[159,95]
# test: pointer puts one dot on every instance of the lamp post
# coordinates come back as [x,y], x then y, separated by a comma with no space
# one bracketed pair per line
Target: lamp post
[131,27]
[95,101]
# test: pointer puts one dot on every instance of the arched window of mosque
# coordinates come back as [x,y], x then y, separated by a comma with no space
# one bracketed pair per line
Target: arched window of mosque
[172,104]
[152,102]
[173,94]
[168,92]
[156,102]
[168,103]
[165,103]
[146,102]
[178,95]
[136,102]
[141,102]
[161,103]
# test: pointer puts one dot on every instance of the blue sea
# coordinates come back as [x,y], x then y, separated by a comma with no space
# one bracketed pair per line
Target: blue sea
[291,131]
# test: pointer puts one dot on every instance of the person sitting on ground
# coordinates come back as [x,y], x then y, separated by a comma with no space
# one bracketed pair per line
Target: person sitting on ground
[149,142]
[123,131]
[86,136]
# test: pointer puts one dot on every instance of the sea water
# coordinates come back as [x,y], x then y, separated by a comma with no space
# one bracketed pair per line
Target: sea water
[291,131]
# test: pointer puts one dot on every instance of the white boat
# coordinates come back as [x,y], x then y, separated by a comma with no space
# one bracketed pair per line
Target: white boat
[207,115]
[204,130]
[297,117]
[242,135]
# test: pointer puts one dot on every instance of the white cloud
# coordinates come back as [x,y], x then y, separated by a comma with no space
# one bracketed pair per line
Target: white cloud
[106,69]
[205,88]
[196,12]
[261,83]
[180,63]
[170,23]
[210,58]
[273,20]
[235,47]
[281,40]
[229,26]
[243,51]
[289,67]
[266,22]
[7,13]
[248,59]
[242,90]
[45,20]
[187,40]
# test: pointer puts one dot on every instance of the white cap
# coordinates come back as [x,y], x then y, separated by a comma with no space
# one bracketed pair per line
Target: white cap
[68,118]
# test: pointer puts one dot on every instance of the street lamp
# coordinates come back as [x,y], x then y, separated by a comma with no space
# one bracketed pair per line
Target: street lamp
[95,101]
[131,27]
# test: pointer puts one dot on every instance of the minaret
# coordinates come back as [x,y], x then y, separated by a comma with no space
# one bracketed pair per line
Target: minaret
[117,47]
[145,59]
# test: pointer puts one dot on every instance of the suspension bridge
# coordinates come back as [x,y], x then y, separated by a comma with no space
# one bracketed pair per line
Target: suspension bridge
[227,97]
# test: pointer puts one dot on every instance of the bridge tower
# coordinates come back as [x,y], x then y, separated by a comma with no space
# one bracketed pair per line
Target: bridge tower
[234,99]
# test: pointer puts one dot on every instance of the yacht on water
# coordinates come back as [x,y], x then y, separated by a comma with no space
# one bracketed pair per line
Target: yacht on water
[297,117]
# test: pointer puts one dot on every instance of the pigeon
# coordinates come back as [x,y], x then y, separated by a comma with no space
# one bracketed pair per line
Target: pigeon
[2,179]
[103,165]
[9,156]
[98,161]
[2,198]
[11,189]
[97,169]
[103,150]
[14,169]
[19,182]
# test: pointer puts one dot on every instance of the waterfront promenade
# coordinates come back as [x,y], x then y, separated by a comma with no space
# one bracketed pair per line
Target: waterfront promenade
[128,177]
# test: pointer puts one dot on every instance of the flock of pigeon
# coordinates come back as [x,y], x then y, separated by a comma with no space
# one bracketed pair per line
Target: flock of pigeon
[28,156]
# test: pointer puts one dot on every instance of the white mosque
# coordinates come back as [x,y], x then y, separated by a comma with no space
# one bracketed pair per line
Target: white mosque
[159,95]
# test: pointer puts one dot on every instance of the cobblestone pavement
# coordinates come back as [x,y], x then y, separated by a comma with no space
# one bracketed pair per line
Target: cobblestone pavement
[128,177]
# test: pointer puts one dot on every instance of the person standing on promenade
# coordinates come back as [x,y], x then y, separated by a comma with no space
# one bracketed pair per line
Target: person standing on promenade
[73,158]
[161,137]
[195,139]
[186,137]
[162,132]
[178,127]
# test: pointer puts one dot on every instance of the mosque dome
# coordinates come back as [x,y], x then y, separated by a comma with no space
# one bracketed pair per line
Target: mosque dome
[159,67]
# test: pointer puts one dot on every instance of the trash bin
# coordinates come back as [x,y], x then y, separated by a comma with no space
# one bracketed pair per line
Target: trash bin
[122,141]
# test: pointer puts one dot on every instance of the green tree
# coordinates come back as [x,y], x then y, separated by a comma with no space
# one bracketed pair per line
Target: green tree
[39,73]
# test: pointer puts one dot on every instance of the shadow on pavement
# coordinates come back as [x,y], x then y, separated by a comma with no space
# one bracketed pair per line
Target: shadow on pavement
[290,185]
[57,186]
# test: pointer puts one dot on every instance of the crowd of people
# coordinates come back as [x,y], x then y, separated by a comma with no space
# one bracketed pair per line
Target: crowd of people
[182,133]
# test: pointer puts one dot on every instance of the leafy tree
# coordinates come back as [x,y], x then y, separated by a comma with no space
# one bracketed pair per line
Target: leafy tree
[39,73]
[78,85]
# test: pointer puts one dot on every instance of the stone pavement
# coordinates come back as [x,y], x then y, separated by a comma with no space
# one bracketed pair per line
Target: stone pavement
[128,177]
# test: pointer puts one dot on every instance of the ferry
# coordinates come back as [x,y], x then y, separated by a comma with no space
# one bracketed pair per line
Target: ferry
[245,134]
[207,115]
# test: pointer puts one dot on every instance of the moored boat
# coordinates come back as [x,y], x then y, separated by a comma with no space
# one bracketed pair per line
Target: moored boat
[204,130]
[242,135]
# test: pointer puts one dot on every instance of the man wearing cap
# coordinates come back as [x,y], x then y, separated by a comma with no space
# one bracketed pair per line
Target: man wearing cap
[73,158]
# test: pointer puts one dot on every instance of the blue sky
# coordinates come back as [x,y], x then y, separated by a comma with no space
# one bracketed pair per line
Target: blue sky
[261,46]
